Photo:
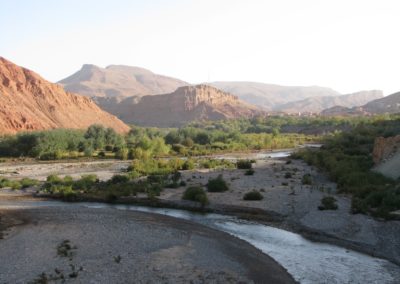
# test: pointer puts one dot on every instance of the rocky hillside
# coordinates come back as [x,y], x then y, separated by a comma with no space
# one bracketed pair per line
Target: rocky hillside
[119,81]
[270,96]
[386,155]
[318,104]
[389,104]
[186,104]
[28,102]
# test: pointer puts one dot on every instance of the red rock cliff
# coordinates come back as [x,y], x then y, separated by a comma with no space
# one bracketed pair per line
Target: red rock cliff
[28,102]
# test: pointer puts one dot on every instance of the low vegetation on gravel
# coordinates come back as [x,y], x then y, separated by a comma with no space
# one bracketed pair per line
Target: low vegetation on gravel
[347,159]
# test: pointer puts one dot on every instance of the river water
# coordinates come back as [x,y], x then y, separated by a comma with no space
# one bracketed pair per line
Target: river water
[306,261]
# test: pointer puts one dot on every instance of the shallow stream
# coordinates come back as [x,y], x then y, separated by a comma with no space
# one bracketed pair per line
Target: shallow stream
[306,261]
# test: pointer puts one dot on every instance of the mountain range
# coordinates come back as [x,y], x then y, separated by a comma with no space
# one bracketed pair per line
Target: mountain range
[139,96]
[111,85]
[119,81]
[389,104]
[29,102]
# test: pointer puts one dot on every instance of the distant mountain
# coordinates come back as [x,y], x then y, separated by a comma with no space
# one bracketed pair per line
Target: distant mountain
[119,81]
[389,104]
[270,96]
[186,104]
[28,102]
[318,104]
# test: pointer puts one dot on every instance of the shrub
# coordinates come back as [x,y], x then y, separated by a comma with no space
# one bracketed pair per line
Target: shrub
[288,175]
[27,182]
[253,195]
[13,184]
[217,185]
[122,154]
[328,203]
[188,165]
[249,172]
[86,182]
[101,154]
[196,193]
[119,179]
[306,180]
[243,164]
[54,179]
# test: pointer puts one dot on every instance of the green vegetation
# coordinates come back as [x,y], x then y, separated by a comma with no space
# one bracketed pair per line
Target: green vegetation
[17,184]
[217,184]
[347,158]
[249,172]
[141,143]
[306,179]
[328,203]
[253,195]
[244,164]
[196,193]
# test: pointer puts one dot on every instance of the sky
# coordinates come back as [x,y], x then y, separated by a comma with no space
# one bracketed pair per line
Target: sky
[348,45]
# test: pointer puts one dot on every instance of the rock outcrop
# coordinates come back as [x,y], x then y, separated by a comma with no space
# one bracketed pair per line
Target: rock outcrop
[28,102]
[385,148]
[186,104]
[119,81]
[386,155]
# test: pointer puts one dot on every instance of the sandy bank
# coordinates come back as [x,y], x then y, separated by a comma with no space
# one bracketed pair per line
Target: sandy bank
[119,247]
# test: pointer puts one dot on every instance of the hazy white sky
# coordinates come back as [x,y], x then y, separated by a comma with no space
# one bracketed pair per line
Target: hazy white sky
[348,45]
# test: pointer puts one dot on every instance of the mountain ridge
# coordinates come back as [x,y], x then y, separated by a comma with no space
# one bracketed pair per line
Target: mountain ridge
[28,102]
[186,104]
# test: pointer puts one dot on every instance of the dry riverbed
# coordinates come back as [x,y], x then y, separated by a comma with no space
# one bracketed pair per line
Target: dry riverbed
[298,205]
[104,169]
[295,204]
[82,245]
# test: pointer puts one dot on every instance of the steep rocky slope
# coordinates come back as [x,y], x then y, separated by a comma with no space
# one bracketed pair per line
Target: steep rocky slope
[28,102]
[388,104]
[386,155]
[119,81]
[186,104]
[318,104]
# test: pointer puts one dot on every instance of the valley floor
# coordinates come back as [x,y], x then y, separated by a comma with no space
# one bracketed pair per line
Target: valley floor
[297,204]
[287,204]
[110,246]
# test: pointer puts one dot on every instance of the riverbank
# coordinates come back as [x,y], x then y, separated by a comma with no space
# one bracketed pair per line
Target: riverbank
[288,204]
[111,246]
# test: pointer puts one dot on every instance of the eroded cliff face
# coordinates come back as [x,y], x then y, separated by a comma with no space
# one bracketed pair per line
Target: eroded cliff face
[186,104]
[28,102]
[385,148]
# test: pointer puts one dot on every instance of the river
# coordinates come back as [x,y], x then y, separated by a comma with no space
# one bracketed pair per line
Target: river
[306,261]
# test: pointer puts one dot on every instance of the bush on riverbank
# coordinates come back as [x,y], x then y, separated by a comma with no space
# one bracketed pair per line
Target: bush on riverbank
[306,179]
[244,164]
[217,184]
[253,195]
[196,193]
[328,203]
